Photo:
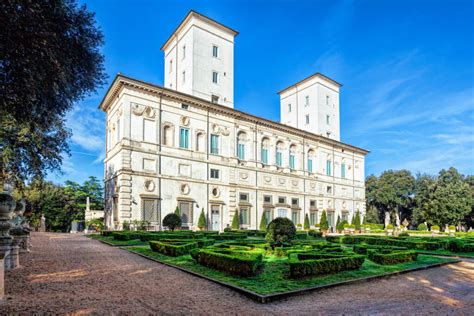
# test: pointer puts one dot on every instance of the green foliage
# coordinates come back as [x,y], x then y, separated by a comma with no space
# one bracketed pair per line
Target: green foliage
[280,232]
[356,220]
[390,257]
[175,248]
[404,234]
[52,49]
[177,211]
[235,220]
[435,227]
[263,225]
[96,224]
[339,225]
[422,227]
[452,228]
[389,226]
[172,221]
[202,220]
[306,222]
[315,234]
[308,264]
[458,245]
[324,222]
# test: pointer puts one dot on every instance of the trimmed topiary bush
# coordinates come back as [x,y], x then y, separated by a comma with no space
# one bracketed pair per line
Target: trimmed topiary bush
[308,264]
[356,221]
[172,221]
[306,222]
[235,220]
[280,232]
[323,224]
[173,249]
[422,227]
[339,225]
[435,227]
[263,221]
[390,257]
[202,220]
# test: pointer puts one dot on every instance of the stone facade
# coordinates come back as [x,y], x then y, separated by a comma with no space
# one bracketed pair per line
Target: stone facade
[169,148]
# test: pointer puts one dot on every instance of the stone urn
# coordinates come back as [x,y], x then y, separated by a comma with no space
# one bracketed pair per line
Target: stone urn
[7,205]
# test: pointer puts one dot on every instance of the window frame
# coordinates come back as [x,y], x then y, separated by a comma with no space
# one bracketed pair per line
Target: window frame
[215,172]
[214,148]
[184,143]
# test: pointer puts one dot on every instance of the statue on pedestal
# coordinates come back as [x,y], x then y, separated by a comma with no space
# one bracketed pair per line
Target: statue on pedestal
[43,224]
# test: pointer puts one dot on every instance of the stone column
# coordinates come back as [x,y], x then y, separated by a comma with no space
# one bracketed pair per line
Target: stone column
[15,253]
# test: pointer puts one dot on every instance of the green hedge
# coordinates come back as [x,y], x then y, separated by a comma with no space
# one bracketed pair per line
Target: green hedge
[309,264]
[173,249]
[363,248]
[459,245]
[392,257]
[315,234]
[243,263]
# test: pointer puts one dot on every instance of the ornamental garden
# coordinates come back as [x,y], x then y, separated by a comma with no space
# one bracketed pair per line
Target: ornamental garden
[281,260]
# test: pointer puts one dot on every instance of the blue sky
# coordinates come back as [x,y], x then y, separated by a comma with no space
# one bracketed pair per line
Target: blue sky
[407,68]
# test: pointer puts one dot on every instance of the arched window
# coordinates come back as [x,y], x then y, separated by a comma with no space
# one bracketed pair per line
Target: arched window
[264,152]
[167,135]
[200,142]
[311,158]
[279,154]
[241,138]
[292,157]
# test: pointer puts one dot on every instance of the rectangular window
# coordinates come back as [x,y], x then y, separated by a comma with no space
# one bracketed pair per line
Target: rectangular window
[279,159]
[329,189]
[184,76]
[241,151]
[312,218]
[281,212]
[294,202]
[306,100]
[281,200]
[118,130]
[295,218]
[267,199]
[307,118]
[214,144]
[183,137]
[185,210]
[244,216]
[292,162]
[265,156]
[310,165]
[312,203]
[184,106]
[328,167]
[214,173]
[343,170]
[328,119]
[215,77]
[149,210]
[214,99]
[268,215]
[215,51]
[244,197]
[289,108]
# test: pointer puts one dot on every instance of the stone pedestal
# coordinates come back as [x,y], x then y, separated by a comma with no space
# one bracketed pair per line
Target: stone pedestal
[2,277]
[15,253]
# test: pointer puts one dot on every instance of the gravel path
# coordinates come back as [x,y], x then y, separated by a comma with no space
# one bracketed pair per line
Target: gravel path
[67,273]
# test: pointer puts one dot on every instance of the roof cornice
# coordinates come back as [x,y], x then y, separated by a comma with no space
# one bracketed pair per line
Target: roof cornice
[318,74]
[122,81]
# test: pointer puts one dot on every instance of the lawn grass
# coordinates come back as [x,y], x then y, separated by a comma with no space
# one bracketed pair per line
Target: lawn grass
[274,277]
[113,242]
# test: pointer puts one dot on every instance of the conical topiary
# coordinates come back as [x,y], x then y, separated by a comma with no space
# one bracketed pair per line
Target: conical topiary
[306,222]
[263,222]
[357,221]
[235,220]
[339,227]
[202,220]
[177,211]
[323,223]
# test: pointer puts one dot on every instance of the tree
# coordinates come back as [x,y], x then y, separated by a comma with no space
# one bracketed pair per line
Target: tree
[202,220]
[423,186]
[306,222]
[447,200]
[356,220]
[470,217]
[235,221]
[172,221]
[323,223]
[50,59]
[280,232]
[263,222]
[373,215]
[177,211]
[394,191]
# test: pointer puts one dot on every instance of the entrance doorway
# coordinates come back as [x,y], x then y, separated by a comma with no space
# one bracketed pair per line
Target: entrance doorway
[215,217]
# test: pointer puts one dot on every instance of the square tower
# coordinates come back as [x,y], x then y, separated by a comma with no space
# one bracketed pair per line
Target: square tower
[199,59]
[312,104]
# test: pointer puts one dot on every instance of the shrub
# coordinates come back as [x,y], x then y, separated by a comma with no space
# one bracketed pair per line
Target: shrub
[459,245]
[315,234]
[362,249]
[392,257]
[306,222]
[172,221]
[356,221]
[339,226]
[175,248]
[126,225]
[235,221]
[422,227]
[227,230]
[389,226]
[263,221]
[435,227]
[403,234]
[202,220]
[307,264]
[241,263]
[324,222]
[452,228]
[281,231]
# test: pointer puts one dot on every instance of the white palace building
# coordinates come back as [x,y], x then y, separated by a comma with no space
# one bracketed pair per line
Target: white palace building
[184,145]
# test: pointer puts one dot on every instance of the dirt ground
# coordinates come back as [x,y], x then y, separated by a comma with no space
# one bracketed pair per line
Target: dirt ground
[68,273]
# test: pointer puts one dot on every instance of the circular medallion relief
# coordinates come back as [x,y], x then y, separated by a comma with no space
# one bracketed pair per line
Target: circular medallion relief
[215,128]
[149,112]
[267,179]
[185,189]
[294,183]
[149,185]
[215,192]
[281,181]
[185,120]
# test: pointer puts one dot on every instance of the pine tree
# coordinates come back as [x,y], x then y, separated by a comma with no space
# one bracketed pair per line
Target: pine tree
[338,224]
[202,220]
[177,211]
[263,222]
[235,220]
[306,222]
[357,221]
[323,224]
